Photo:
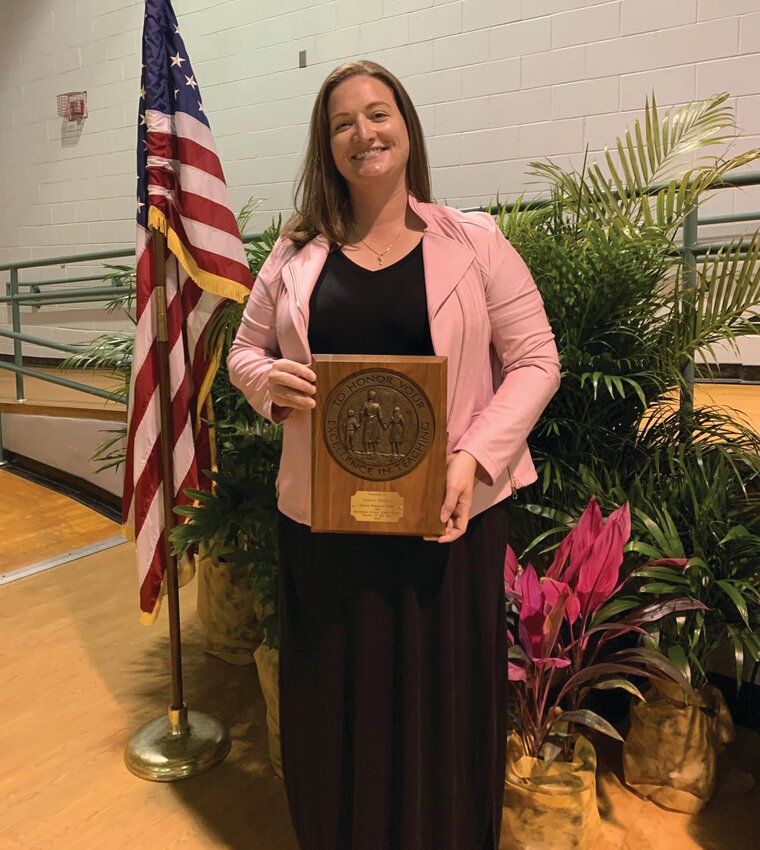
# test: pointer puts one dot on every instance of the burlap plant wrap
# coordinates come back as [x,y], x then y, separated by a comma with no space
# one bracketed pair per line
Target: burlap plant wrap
[227,612]
[550,808]
[268,665]
[670,755]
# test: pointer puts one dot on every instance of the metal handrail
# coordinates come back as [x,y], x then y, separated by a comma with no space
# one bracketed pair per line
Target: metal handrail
[690,249]
[43,343]
[65,382]
[61,280]
[94,294]
[70,258]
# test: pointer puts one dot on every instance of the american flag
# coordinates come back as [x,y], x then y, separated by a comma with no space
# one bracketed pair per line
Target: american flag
[181,192]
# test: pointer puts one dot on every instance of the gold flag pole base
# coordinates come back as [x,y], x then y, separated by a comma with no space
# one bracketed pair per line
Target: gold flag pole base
[181,745]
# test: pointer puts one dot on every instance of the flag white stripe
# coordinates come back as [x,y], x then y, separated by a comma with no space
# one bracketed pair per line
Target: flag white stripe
[196,131]
[180,124]
[210,238]
[198,319]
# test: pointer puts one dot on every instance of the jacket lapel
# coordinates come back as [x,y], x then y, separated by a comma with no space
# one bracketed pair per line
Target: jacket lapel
[445,259]
[300,275]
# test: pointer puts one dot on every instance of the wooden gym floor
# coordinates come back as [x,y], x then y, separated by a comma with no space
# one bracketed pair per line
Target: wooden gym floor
[40,525]
[80,675]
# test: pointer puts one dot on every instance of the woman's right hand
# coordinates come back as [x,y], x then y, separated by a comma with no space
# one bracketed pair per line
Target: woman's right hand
[291,384]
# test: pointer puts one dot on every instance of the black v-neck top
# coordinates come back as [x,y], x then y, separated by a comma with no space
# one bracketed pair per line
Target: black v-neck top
[353,310]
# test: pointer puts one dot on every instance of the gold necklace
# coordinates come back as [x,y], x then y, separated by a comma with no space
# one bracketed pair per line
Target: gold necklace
[382,253]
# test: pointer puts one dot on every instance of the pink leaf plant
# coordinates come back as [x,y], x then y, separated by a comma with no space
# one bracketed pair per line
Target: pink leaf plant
[563,631]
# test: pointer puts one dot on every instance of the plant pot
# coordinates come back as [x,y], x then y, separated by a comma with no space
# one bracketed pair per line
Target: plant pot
[268,666]
[670,754]
[550,808]
[226,610]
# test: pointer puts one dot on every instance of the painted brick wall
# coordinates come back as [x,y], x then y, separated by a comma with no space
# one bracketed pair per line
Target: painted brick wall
[497,83]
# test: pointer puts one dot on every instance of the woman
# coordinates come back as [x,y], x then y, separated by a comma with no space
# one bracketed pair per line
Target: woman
[393,654]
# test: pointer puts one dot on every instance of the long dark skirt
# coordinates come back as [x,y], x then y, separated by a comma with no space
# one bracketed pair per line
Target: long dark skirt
[393,680]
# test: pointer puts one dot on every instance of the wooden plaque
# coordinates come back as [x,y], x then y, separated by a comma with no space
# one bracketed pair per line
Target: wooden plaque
[379,444]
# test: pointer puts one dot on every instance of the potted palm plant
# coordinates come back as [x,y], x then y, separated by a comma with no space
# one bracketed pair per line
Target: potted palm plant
[567,623]
[709,506]
[629,322]
[604,255]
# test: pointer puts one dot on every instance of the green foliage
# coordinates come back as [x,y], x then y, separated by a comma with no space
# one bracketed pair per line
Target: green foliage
[237,522]
[111,354]
[699,501]
[604,254]
[121,276]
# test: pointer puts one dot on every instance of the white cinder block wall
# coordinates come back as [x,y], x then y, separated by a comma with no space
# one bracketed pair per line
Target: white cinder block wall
[497,83]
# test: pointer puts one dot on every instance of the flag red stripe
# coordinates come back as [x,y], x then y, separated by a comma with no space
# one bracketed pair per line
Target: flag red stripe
[176,147]
[209,212]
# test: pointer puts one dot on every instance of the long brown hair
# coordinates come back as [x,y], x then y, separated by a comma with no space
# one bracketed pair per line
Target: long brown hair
[322,203]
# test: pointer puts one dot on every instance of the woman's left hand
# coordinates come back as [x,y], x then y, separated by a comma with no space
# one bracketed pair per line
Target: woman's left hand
[460,480]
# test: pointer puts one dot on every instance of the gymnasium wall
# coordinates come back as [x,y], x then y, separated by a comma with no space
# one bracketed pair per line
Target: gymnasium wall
[497,83]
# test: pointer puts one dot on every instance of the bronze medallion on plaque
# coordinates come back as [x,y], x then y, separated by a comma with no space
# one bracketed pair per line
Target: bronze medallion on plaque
[379,444]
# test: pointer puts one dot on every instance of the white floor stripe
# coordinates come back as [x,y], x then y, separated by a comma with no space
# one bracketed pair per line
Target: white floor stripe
[73,555]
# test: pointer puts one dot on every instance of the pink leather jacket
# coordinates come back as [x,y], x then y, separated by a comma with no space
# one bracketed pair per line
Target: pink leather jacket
[486,316]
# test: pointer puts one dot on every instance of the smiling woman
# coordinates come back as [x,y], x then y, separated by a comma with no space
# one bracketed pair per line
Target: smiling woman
[393,667]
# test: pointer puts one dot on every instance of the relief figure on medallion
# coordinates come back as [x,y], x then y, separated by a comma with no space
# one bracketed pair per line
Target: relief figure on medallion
[371,416]
[397,430]
[351,427]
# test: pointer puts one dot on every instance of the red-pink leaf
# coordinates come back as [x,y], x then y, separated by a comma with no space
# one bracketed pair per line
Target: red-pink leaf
[599,570]
[531,624]
[552,590]
[583,536]
[512,576]
[676,563]
[515,673]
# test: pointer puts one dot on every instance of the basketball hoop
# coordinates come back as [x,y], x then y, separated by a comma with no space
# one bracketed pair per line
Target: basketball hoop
[73,105]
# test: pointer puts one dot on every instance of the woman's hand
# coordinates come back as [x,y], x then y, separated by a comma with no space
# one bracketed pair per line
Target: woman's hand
[291,384]
[460,480]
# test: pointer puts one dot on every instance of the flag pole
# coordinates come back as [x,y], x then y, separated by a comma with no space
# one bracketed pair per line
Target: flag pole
[184,743]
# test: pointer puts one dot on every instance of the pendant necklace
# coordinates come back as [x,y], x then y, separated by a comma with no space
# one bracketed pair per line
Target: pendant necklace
[382,253]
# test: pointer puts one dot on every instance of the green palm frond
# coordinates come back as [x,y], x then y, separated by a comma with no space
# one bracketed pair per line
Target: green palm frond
[110,352]
[258,250]
[222,326]
[121,276]
[246,211]
[657,153]
[520,219]
[725,302]
[624,196]
[111,453]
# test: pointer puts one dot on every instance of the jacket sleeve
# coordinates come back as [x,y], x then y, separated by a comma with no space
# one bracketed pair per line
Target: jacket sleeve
[524,343]
[255,347]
